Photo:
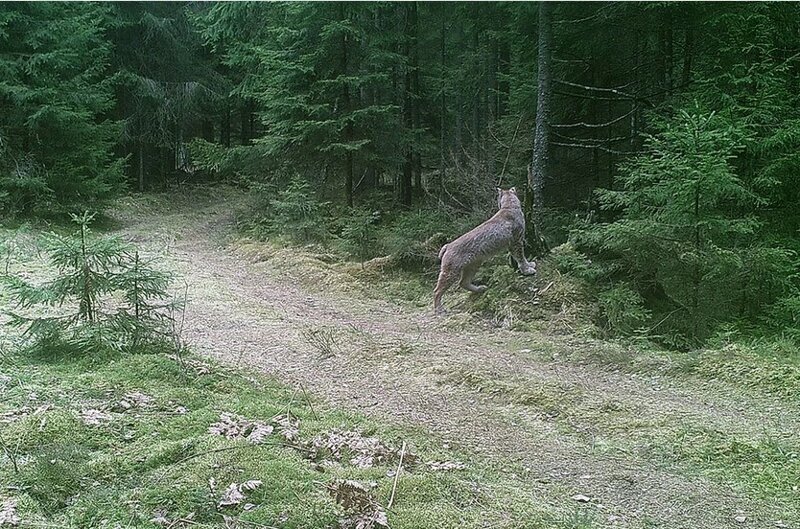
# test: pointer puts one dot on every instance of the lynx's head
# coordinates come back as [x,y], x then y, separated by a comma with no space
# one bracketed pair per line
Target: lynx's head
[508,199]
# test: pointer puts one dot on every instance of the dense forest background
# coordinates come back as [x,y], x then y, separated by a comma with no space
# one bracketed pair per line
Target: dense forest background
[659,141]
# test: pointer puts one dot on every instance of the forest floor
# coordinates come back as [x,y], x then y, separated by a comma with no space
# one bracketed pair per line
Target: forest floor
[562,418]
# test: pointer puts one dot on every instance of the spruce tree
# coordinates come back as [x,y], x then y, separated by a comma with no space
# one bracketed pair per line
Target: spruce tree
[102,296]
[56,135]
[319,77]
[687,233]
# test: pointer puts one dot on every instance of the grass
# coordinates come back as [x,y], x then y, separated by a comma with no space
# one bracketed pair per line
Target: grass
[770,368]
[143,462]
[762,464]
[139,465]
[159,459]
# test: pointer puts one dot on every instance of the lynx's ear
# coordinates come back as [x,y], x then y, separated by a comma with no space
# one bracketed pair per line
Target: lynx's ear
[513,190]
[499,191]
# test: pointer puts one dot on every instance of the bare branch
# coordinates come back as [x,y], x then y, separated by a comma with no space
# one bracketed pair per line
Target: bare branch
[596,89]
[621,96]
[595,141]
[593,125]
[598,147]
[588,96]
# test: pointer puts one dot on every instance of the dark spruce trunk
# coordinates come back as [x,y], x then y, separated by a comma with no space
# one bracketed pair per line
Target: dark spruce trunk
[537,175]
[348,129]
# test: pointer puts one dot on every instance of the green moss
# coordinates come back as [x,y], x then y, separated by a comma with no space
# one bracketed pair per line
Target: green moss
[150,459]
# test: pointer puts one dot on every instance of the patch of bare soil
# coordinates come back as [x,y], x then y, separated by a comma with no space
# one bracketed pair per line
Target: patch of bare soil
[481,389]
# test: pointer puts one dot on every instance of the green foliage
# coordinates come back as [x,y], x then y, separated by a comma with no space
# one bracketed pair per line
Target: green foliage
[157,460]
[294,212]
[56,138]
[359,233]
[622,310]
[687,232]
[103,296]
[414,238]
[240,164]
[164,86]
[784,315]
[358,100]
[306,64]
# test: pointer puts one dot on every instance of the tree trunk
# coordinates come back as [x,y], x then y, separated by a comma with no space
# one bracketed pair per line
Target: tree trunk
[504,70]
[688,50]
[415,95]
[225,129]
[489,107]
[141,166]
[406,179]
[669,53]
[443,104]
[244,124]
[477,101]
[537,175]
[348,129]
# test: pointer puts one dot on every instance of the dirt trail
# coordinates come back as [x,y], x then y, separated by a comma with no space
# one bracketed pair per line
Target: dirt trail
[402,364]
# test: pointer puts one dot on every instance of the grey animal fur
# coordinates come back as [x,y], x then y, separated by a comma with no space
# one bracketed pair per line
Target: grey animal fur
[462,257]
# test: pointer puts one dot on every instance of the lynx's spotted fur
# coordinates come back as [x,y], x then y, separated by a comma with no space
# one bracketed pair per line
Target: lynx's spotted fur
[505,231]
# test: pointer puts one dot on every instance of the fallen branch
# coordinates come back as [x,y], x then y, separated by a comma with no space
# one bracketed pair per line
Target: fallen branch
[397,476]
[545,289]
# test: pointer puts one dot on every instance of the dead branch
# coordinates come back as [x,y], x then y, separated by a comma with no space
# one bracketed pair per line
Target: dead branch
[397,476]
[594,125]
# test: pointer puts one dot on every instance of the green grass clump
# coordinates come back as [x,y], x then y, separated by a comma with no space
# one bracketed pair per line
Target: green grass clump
[159,459]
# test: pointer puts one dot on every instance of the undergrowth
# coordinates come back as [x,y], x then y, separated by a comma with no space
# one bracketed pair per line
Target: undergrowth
[146,440]
[396,255]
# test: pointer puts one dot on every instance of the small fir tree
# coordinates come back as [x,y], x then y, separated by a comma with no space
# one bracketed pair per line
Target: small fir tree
[103,295]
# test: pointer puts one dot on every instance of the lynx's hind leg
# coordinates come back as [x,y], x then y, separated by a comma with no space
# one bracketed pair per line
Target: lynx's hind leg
[446,279]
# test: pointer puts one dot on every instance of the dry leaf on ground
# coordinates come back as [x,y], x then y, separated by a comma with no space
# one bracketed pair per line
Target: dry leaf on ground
[133,400]
[235,426]
[356,498]
[94,417]
[288,427]
[445,465]
[361,451]
[235,493]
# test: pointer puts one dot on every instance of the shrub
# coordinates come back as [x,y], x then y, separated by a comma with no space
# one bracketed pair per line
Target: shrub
[359,233]
[297,212]
[785,316]
[103,295]
[239,164]
[622,310]
[687,234]
[404,237]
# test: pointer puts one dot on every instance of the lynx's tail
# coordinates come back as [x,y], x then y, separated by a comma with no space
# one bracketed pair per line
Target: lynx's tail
[441,252]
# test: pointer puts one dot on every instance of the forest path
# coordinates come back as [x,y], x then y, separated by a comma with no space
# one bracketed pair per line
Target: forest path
[561,427]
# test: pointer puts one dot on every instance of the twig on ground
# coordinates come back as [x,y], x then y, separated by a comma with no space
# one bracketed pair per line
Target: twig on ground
[397,476]
[291,401]
[545,289]
[308,401]
[11,455]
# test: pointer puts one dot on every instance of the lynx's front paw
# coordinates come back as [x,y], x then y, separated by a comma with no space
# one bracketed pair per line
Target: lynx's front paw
[528,270]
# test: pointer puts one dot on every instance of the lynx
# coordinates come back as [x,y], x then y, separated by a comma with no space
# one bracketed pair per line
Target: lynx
[462,257]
